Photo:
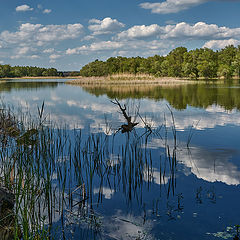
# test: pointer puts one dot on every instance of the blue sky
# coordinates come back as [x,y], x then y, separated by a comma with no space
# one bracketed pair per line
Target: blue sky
[69,34]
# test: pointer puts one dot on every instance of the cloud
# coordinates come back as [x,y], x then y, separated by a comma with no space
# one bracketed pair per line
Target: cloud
[34,56]
[49,50]
[37,37]
[40,34]
[217,44]
[53,57]
[138,47]
[199,30]
[124,47]
[171,6]
[23,8]
[47,11]
[25,51]
[59,32]
[140,31]
[98,46]
[105,26]
[181,30]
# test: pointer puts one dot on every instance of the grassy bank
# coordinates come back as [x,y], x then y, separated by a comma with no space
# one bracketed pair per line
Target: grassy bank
[125,79]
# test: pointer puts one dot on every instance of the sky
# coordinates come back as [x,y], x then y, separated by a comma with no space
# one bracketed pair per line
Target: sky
[69,34]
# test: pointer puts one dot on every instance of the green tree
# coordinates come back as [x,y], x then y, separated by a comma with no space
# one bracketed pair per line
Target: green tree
[5,71]
[96,68]
[190,64]
[155,63]
[175,61]
[225,71]
[226,58]
[207,63]
[236,63]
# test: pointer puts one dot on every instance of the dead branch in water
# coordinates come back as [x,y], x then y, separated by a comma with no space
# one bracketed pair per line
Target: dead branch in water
[130,125]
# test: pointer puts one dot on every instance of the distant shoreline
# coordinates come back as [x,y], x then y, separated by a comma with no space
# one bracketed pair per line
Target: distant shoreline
[123,79]
[50,77]
[117,79]
[128,79]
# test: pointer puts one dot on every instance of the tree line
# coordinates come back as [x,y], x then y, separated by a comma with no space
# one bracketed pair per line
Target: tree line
[198,63]
[6,71]
[179,97]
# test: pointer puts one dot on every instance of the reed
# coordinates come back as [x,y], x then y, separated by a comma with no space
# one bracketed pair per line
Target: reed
[127,79]
[53,172]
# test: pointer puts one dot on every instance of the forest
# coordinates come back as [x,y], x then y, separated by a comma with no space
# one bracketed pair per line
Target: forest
[6,71]
[198,63]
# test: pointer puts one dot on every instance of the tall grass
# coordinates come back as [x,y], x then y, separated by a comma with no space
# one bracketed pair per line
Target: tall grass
[53,172]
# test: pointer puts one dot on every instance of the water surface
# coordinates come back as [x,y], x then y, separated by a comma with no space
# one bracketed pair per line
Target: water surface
[148,198]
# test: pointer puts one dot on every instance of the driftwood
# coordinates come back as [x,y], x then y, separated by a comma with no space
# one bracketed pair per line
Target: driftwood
[130,125]
[7,217]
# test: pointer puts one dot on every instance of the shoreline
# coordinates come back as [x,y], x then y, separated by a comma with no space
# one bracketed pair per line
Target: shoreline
[133,80]
[125,79]
[118,79]
[50,77]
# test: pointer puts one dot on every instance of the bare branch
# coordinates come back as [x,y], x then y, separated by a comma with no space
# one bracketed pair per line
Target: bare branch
[130,125]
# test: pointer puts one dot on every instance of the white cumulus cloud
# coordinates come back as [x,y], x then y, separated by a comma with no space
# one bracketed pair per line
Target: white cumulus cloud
[59,32]
[98,46]
[49,50]
[23,8]
[34,38]
[47,11]
[38,33]
[105,26]
[141,31]
[200,30]
[25,51]
[125,47]
[181,30]
[171,6]
[217,44]
[34,56]
[54,56]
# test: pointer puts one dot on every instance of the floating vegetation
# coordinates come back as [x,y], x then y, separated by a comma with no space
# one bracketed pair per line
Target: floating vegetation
[229,233]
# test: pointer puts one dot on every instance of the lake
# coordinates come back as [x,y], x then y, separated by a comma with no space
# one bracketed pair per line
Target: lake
[176,175]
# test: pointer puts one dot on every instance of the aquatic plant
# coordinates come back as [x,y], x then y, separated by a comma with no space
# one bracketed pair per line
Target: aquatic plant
[54,172]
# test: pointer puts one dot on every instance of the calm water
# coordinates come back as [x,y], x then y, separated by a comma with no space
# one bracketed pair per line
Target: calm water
[199,199]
